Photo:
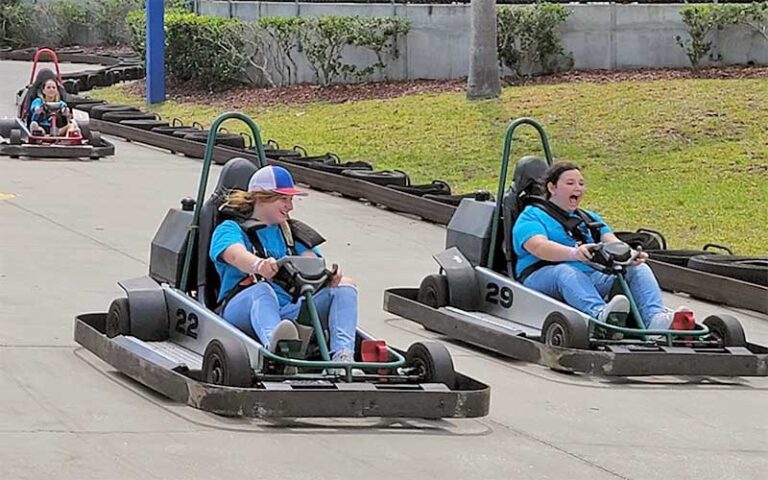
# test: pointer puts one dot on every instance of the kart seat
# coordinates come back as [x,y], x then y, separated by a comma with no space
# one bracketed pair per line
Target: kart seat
[34,91]
[528,171]
[235,175]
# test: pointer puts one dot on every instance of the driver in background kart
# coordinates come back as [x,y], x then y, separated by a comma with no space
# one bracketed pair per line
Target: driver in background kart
[40,122]
[264,309]
[538,236]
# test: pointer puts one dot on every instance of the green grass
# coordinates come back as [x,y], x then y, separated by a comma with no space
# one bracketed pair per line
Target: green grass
[686,157]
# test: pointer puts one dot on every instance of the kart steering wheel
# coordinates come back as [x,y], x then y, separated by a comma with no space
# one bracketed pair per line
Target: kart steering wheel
[298,274]
[612,257]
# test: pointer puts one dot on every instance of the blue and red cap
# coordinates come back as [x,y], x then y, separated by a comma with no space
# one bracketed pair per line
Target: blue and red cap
[273,179]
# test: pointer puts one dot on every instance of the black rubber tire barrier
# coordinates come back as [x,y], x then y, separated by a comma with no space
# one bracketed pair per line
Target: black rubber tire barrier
[75,101]
[228,139]
[676,257]
[169,130]
[98,111]
[87,107]
[384,177]
[117,117]
[338,168]
[455,200]
[71,86]
[437,187]
[181,132]
[144,124]
[744,268]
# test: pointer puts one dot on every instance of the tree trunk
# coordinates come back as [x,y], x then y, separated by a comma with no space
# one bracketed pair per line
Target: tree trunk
[483,81]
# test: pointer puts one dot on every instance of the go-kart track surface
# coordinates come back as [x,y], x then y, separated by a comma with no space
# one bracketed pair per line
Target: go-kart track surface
[70,229]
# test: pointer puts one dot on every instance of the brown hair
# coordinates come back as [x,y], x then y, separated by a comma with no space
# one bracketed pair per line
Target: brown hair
[242,202]
[553,173]
[42,90]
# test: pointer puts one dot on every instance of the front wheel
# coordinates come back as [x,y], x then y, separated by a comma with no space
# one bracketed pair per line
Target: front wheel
[433,363]
[565,330]
[727,329]
[226,362]
[118,318]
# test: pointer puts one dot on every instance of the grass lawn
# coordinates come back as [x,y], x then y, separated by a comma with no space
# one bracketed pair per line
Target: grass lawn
[686,157]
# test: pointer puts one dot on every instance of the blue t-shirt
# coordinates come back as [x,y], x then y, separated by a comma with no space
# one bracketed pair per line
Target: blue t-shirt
[40,118]
[535,221]
[229,233]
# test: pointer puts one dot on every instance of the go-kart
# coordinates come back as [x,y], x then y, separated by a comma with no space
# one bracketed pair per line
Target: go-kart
[168,335]
[16,139]
[476,299]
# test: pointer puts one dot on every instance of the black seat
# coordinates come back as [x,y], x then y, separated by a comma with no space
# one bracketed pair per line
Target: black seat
[34,91]
[529,171]
[234,176]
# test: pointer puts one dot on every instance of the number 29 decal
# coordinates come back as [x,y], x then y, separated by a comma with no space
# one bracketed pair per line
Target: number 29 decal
[184,328]
[498,295]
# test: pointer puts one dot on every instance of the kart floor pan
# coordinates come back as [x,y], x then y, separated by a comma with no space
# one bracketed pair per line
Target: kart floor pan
[155,364]
[751,360]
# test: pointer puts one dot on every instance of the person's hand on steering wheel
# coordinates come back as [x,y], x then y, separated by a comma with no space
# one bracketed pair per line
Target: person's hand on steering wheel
[265,267]
[583,253]
[640,258]
[336,278]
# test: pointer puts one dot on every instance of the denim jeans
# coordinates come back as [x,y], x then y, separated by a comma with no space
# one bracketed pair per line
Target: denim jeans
[256,312]
[586,292]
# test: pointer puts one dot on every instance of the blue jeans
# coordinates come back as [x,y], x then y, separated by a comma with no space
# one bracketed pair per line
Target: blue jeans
[257,312]
[586,292]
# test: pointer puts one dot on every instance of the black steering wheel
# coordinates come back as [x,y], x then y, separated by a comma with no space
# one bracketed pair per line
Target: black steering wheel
[298,275]
[612,257]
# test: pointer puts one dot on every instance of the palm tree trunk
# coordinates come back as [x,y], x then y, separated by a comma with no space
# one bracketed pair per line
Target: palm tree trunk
[483,81]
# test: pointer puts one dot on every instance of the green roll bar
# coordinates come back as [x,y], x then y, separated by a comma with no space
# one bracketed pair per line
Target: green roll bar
[207,160]
[503,176]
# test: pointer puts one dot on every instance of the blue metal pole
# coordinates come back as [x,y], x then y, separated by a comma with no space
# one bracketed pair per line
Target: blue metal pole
[155,52]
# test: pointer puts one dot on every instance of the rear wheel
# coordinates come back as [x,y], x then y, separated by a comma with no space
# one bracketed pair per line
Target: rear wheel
[226,362]
[433,363]
[727,329]
[118,318]
[15,137]
[565,330]
[433,291]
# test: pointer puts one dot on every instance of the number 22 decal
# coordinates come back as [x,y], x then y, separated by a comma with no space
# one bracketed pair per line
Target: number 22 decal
[499,295]
[181,321]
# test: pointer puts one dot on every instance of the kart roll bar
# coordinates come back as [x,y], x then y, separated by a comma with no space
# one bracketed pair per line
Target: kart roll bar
[503,176]
[36,58]
[207,160]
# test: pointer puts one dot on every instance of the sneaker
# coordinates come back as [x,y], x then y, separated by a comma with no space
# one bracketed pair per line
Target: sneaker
[285,330]
[619,304]
[343,356]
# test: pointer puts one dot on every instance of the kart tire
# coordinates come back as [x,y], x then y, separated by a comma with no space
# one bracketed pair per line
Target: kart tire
[728,329]
[117,117]
[433,361]
[95,141]
[118,320]
[383,177]
[433,291]
[565,330]
[226,362]
[144,124]
[747,269]
[15,137]
[85,129]
[6,126]
[98,111]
